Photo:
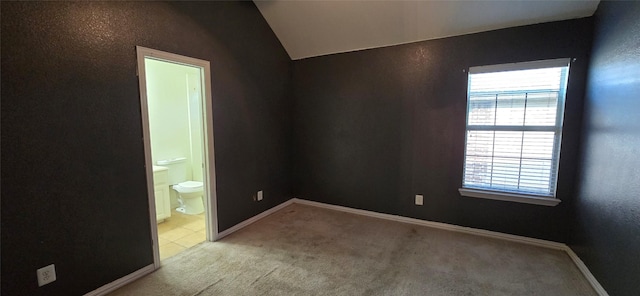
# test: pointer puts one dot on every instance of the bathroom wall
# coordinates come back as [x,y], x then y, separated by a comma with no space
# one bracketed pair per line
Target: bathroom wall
[196,119]
[175,120]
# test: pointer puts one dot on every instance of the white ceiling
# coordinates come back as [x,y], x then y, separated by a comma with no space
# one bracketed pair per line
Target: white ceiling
[314,28]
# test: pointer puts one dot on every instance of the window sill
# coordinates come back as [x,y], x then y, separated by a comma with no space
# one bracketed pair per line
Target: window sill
[505,196]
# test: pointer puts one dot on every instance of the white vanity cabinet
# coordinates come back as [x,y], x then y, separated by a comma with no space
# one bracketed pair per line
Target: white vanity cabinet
[161,191]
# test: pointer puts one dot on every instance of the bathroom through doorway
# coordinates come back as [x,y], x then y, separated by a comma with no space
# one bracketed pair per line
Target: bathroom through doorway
[175,97]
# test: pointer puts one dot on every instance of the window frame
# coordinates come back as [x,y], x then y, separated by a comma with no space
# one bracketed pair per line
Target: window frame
[515,196]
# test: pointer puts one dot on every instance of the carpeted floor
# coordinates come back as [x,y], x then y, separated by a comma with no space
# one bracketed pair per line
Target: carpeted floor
[304,250]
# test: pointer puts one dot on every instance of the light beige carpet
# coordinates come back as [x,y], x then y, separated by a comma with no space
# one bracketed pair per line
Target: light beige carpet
[304,250]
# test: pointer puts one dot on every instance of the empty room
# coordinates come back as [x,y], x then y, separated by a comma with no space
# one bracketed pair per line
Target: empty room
[320,147]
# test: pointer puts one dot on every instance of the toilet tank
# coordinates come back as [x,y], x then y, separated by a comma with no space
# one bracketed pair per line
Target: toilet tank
[177,169]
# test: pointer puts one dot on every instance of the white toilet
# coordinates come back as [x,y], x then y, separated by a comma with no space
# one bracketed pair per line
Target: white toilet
[189,192]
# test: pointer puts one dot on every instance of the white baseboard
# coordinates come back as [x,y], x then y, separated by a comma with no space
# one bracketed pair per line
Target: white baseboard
[468,230]
[438,225]
[585,271]
[255,218]
[110,287]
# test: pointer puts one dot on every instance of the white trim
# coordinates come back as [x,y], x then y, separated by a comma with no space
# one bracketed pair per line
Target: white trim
[253,219]
[110,287]
[564,62]
[585,271]
[473,231]
[559,64]
[506,196]
[439,225]
[211,213]
[211,204]
[142,80]
[170,57]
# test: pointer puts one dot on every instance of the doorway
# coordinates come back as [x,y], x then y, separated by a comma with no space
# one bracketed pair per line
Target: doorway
[177,121]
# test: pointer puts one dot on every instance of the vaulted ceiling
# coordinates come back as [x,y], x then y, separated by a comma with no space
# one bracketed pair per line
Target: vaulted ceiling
[314,28]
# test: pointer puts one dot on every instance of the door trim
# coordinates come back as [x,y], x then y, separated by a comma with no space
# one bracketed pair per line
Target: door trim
[211,213]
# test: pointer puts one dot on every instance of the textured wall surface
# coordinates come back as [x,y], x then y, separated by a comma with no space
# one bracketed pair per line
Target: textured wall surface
[606,233]
[73,178]
[373,128]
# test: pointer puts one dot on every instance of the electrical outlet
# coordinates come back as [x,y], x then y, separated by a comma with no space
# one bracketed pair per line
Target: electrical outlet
[260,195]
[46,275]
[419,199]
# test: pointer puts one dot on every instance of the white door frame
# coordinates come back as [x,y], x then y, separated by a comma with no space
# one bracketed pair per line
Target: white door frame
[211,214]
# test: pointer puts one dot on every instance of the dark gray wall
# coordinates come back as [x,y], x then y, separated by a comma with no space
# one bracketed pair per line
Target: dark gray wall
[373,128]
[606,230]
[73,178]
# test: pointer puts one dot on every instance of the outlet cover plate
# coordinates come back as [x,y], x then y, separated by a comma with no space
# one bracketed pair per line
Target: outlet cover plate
[260,195]
[46,275]
[419,199]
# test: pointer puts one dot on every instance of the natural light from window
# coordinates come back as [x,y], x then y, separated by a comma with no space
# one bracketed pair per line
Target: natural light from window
[514,125]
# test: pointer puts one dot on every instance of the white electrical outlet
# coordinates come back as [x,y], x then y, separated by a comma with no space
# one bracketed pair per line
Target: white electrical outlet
[419,199]
[260,195]
[46,275]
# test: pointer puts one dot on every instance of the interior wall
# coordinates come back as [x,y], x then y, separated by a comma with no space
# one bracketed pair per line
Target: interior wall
[169,107]
[606,230]
[372,128]
[196,124]
[73,177]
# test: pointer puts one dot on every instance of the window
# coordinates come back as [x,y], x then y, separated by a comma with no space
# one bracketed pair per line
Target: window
[514,130]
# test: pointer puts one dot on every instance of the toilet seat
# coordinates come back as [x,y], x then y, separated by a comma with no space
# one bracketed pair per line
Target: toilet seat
[188,186]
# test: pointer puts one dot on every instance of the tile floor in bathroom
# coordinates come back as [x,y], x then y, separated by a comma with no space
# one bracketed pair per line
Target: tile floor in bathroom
[180,232]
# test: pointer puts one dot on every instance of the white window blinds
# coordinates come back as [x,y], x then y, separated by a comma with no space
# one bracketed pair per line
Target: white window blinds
[514,127]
